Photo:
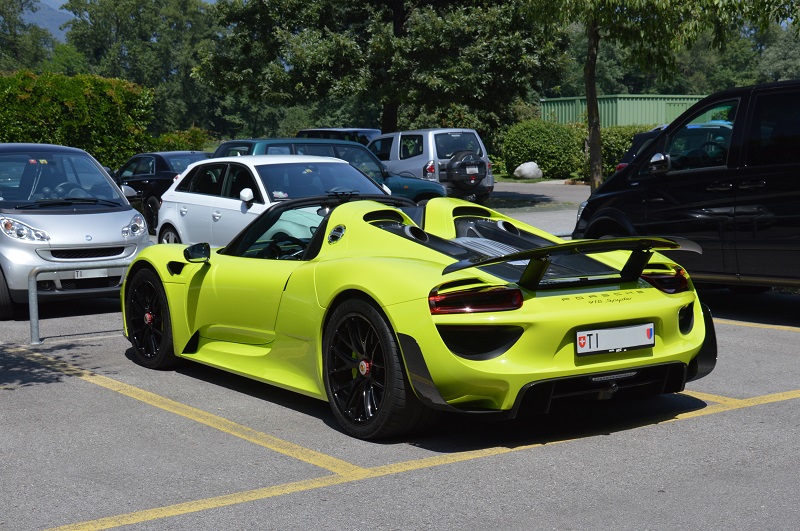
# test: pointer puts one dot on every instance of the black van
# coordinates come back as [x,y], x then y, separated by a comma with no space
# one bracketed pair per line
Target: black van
[725,174]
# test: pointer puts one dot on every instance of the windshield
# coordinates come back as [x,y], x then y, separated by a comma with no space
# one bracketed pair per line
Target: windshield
[304,179]
[32,179]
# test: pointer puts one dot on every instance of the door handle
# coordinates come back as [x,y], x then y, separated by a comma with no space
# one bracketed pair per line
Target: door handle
[749,185]
[184,210]
[216,215]
[719,187]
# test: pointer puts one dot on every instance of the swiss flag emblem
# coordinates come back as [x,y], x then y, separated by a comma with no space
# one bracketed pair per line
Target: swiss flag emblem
[582,341]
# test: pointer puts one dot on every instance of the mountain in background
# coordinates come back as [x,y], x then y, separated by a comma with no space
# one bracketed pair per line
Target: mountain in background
[50,17]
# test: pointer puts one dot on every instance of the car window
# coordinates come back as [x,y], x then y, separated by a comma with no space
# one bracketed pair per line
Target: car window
[205,179]
[302,179]
[704,140]
[382,147]
[360,158]
[774,134]
[178,163]
[315,149]
[278,150]
[238,178]
[449,143]
[129,169]
[281,234]
[234,150]
[410,146]
[32,176]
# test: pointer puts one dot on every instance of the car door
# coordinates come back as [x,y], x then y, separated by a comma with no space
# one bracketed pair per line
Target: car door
[695,199]
[194,199]
[768,188]
[229,214]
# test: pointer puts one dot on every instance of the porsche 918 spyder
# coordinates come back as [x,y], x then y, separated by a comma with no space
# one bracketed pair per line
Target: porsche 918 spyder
[391,311]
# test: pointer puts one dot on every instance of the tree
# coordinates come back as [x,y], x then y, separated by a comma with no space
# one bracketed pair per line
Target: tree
[153,43]
[22,45]
[434,58]
[650,30]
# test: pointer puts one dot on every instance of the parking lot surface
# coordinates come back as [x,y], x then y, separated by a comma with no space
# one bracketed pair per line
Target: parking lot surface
[91,440]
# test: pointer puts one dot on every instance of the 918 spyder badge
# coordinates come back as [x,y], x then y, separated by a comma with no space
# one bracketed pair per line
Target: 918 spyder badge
[620,339]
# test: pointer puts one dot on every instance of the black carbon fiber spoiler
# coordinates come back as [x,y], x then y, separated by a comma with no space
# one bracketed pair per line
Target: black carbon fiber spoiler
[540,258]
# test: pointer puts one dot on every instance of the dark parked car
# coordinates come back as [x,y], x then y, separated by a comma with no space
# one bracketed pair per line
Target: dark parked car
[150,174]
[639,142]
[356,154]
[725,174]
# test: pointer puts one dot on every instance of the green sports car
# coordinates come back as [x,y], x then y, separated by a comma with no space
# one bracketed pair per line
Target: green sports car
[392,311]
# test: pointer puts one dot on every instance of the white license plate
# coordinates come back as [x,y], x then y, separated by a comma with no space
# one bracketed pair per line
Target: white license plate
[471,170]
[606,340]
[91,273]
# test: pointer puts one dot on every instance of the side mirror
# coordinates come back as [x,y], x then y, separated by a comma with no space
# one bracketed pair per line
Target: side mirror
[197,253]
[659,164]
[246,196]
[128,191]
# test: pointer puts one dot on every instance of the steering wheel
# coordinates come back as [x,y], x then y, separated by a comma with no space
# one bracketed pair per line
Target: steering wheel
[283,237]
[721,153]
[62,190]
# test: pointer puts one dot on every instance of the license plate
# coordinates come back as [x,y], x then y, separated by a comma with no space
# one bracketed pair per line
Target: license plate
[91,273]
[471,170]
[621,339]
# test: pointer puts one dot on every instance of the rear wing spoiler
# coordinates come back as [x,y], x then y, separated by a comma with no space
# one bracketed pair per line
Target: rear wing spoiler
[541,257]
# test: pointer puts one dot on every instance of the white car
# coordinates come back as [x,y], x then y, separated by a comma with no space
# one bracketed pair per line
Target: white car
[214,199]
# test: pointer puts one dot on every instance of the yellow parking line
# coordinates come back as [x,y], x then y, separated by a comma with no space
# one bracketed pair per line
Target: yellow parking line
[295,451]
[756,325]
[343,472]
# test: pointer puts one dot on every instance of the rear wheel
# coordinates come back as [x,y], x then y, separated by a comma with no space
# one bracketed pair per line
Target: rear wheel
[151,207]
[364,378]
[169,235]
[148,321]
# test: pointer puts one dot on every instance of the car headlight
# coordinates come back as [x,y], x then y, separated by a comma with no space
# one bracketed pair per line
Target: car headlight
[135,228]
[20,231]
[580,208]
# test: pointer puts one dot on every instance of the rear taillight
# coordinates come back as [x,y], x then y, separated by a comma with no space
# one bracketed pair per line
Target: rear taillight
[620,166]
[474,301]
[429,170]
[676,281]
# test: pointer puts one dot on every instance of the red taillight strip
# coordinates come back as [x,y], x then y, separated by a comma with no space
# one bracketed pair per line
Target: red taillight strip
[474,301]
[675,282]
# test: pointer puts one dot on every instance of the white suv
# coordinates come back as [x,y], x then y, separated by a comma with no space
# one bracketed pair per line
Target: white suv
[455,157]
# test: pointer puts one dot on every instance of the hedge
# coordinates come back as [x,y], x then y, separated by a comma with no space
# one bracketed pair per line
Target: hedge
[556,148]
[106,117]
[616,141]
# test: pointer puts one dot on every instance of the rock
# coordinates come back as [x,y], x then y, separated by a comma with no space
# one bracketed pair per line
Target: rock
[528,170]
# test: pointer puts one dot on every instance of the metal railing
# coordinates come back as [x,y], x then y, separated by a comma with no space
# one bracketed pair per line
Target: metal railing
[33,292]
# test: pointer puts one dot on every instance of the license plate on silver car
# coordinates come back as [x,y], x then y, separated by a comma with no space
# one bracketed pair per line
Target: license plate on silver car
[91,273]
[620,339]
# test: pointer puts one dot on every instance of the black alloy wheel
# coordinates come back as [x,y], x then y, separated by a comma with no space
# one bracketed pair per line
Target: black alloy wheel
[364,379]
[148,320]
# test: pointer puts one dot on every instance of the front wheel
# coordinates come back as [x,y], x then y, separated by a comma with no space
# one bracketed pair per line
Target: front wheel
[148,321]
[364,378]
[6,304]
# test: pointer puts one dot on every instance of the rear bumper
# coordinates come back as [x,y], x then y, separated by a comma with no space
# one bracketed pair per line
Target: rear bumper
[537,397]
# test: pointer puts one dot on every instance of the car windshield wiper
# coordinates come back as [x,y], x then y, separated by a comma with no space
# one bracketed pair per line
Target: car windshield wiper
[47,203]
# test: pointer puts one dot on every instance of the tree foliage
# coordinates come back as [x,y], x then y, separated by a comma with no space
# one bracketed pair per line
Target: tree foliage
[433,62]
[22,45]
[106,117]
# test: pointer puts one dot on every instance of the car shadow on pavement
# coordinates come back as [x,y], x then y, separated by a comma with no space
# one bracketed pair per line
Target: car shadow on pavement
[568,421]
[769,308]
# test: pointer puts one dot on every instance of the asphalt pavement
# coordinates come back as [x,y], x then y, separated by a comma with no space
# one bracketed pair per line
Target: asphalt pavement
[549,205]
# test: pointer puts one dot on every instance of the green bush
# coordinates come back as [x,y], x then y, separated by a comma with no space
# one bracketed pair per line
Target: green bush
[616,141]
[556,148]
[193,139]
[106,117]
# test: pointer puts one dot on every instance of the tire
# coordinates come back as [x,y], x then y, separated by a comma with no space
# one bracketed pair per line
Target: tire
[148,321]
[364,377]
[151,207]
[7,306]
[169,235]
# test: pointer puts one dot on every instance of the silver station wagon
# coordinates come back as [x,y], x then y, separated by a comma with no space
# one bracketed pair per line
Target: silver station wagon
[61,211]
